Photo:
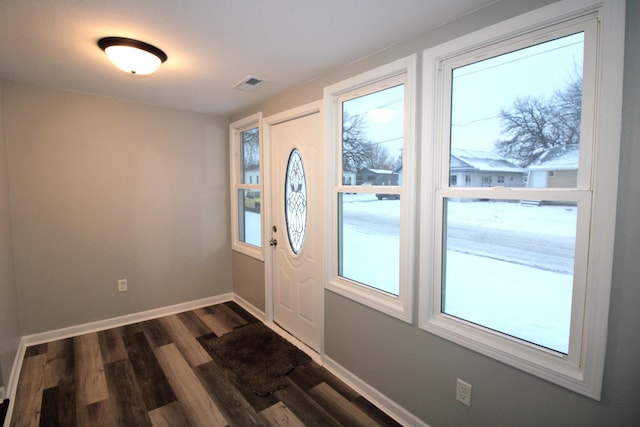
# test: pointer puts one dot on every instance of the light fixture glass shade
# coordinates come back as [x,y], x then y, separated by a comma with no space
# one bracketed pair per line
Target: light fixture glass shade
[132,56]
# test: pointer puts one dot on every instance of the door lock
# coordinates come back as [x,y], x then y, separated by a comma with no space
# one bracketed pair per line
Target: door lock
[273,242]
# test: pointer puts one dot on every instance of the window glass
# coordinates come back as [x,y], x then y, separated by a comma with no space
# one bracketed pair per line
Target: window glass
[508,266]
[373,137]
[250,156]
[369,249]
[295,199]
[512,116]
[249,229]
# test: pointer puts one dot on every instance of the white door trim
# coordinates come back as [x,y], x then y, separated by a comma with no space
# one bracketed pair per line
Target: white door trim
[267,124]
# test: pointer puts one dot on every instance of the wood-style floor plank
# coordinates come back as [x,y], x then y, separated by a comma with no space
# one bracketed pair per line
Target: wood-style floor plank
[194,324]
[228,316]
[310,412]
[27,407]
[127,404]
[344,410]
[216,325]
[111,345]
[99,414]
[226,397]
[150,378]
[49,409]
[91,384]
[248,317]
[182,338]
[156,333]
[171,415]
[198,406]
[279,415]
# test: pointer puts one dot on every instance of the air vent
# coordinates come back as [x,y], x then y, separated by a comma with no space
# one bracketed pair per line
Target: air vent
[249,83]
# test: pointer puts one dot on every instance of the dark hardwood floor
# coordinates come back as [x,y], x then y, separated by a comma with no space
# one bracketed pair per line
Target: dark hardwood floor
[158,373]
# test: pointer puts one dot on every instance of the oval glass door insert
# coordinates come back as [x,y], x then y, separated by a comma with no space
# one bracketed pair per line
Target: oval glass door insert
[295,201]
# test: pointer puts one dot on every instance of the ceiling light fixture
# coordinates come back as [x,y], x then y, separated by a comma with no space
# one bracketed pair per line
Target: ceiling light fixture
[132,56]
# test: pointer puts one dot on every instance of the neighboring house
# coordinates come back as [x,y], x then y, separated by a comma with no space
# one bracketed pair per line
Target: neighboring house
[252,175]
[555,168]
[376,177]
[348,178]
[471,168]
[399,172]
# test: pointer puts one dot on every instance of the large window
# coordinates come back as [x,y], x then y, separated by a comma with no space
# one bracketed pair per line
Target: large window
[372,142]
[246,190]
[516,264]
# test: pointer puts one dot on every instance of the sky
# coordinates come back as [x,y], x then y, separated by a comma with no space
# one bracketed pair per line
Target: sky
[480,91]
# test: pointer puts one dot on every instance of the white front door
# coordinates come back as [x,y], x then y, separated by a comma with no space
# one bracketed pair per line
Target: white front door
[296,189]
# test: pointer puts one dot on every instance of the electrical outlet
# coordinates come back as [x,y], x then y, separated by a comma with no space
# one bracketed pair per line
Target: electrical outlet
[2,395]
[463,392]
[122,285]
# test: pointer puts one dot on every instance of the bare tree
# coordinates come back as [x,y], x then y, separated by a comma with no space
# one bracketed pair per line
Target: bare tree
[354,142]
[377,157]
[534,125]
[250,148]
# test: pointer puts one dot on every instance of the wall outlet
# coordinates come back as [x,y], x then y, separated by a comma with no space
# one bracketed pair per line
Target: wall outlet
[2,395]
[463,392]
[122,285]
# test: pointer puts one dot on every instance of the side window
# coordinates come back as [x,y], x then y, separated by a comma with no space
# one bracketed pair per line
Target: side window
[246,207]
[508,265]
[373,144]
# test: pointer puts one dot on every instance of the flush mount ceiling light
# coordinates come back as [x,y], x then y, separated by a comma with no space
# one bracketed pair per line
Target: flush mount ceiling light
[132,56]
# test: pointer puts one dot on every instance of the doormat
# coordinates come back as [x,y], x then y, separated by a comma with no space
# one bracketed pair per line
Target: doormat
[258,356]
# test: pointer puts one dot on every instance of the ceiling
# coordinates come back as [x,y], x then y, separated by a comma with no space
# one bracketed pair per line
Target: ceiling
[212,44]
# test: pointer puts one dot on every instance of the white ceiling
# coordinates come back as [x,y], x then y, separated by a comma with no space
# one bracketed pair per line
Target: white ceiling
[211,44]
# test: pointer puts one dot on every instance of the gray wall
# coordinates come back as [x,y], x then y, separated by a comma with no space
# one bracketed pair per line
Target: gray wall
[418,370]
[248,279]
[9,326]
[103,189]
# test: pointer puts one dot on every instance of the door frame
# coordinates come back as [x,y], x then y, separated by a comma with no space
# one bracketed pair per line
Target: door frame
[267,124]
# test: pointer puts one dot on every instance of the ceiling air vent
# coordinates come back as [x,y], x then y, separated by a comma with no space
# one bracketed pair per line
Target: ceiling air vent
[249,83]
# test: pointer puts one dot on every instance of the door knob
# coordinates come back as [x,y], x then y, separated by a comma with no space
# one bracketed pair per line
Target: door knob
[273,242]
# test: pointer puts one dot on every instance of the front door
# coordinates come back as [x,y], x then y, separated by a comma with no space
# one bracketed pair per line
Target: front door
[296,162]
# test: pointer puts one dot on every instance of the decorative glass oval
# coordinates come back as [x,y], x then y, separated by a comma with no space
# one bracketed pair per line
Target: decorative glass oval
[295,201]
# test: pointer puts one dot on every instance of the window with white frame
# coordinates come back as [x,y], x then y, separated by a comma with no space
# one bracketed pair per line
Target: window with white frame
[372,142]
[513,272]
[246,208]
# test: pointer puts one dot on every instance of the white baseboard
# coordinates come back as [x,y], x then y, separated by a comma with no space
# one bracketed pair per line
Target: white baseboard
[381,401]
[127,319]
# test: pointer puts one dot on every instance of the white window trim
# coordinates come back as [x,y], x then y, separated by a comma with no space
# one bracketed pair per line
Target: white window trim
[400,306]
[582,373]
[235,170]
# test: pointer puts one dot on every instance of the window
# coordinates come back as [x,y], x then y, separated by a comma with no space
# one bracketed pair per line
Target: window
[467,180]
[454,180]
[512,272]
[246,207]
[371,122]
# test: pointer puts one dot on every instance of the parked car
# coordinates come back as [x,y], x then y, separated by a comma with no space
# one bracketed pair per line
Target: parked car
[388,196]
